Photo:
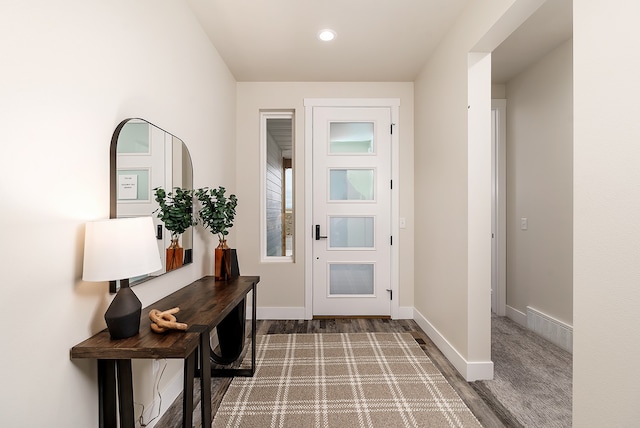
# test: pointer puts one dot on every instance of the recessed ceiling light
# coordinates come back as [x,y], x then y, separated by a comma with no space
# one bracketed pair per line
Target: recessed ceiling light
[326,35]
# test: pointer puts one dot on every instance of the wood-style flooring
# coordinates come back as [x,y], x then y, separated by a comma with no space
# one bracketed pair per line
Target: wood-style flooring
[173,417]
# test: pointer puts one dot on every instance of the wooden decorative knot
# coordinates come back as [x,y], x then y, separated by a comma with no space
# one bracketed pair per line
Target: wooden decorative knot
[164,321]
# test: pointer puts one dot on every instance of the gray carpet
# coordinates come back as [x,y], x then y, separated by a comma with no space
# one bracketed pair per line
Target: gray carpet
[532,384]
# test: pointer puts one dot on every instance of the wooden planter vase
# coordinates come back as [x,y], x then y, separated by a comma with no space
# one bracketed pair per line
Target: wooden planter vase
[175,256]
[226,262]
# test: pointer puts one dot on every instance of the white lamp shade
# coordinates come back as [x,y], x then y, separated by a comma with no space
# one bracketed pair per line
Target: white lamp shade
[120,248]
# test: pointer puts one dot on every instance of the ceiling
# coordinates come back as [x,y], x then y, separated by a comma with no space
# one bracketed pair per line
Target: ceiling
[377,40]
[275,40]
[547,28]
[281,130]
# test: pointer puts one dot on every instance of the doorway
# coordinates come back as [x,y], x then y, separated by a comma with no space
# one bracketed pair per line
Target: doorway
[498,207]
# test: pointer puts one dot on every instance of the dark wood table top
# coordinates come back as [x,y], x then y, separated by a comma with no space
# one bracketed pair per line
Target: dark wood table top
[203,303]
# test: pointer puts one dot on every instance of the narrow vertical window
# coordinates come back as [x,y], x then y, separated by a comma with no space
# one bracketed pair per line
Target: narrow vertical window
[278,213]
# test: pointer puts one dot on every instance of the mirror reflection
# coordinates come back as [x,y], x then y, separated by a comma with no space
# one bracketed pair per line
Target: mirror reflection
[143,158]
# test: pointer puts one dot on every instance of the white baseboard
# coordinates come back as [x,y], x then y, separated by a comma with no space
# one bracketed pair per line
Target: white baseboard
[551,329]
[273,313]
[298,313]
[516,316]
[405,313]
[470,370]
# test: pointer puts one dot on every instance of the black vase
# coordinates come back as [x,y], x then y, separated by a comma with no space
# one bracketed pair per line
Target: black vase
[226,264]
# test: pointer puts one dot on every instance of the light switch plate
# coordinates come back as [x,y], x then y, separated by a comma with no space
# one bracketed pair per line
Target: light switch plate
[524,223]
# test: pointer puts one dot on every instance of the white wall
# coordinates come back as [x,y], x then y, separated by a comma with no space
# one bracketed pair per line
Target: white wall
[606,240]
[540,186]
[498,91]
[281,290]
[71,71]
[452,291]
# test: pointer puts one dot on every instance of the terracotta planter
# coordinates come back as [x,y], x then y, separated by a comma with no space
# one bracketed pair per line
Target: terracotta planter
[175,256]
[226,263]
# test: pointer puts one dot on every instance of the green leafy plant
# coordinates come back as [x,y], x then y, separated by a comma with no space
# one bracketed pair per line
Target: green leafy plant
[176,209]
[218,211]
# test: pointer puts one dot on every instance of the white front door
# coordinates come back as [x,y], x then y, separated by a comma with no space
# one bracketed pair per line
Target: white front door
[351,211]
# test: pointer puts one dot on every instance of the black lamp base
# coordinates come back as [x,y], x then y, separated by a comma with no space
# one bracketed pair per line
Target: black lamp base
[123,315]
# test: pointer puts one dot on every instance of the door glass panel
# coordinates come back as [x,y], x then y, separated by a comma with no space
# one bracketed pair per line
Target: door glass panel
[351,137]
[351,232]
[351,184]
[356,279]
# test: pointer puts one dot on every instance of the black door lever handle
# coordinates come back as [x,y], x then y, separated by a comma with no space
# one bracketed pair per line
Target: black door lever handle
[318,237]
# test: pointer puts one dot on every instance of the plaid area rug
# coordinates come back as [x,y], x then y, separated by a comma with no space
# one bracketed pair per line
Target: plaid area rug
[342,380]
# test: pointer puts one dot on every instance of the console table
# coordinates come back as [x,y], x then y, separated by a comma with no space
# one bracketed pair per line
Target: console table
[203,305]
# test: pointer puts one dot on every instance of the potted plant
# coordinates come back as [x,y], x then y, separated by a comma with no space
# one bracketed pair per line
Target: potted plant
[217,214]
[176,212]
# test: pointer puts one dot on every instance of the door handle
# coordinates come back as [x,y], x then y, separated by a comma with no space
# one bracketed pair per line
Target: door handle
[318,237]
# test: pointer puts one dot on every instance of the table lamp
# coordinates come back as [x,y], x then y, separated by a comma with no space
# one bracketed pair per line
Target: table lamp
[119,249]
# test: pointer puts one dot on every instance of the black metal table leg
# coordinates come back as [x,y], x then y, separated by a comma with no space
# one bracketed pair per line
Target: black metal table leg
[205,376]
[243,372]
[107,411]
[187,392]
[253,329]
[231,335]
[125,393]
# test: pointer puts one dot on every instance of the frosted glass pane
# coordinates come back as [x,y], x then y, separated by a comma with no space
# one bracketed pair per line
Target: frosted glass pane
[139,185]
[351,137]
[351,232]
[351,185]
[133,138]
[351,279]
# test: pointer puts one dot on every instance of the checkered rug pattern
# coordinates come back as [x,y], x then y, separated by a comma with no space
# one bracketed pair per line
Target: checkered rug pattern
[342,380]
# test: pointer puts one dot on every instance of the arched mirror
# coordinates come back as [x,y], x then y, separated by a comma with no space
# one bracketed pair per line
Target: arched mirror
[144,157]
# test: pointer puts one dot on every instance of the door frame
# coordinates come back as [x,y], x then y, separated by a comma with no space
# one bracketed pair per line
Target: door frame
[394,105]
[499,206]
